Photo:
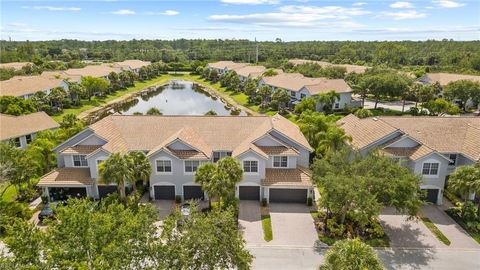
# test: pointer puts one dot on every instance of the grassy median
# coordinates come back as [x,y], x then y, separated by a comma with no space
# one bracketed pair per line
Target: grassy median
[267,228]
[440,236]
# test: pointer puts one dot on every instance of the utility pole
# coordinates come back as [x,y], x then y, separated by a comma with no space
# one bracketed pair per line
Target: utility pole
[256,51]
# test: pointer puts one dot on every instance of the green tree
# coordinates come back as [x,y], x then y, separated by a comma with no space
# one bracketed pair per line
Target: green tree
[250,89]
[269,73]
[265,92]
[94,86]
[351,254]
[118,170]
[57,97]
[327,100]
[211,112]
[115,83]
[363,113]
[153,111]
[75,91]
[441,106]
[463,90]
[280,98]
[140,166]
[219,179]
[465,180]
[306,104]
[384,84]
[41,153]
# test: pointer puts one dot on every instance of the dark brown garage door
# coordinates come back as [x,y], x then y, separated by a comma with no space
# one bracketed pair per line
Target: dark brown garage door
[164,192]
[193,193]
[432,195]
[288,195]
[103,191]
[249,193]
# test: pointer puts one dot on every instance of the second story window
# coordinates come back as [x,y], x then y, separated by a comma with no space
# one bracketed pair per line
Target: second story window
[219,155]
[280,162]
[250,166]
[453,158]
[28,138]
[164,166]
[80,161]
[17,143]
[430,168]
[302,96]
[191,165]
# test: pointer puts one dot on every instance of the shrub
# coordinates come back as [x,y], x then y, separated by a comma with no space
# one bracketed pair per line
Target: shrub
[335,229]
[264,202]
[9,211]
[178,199]
[351,254]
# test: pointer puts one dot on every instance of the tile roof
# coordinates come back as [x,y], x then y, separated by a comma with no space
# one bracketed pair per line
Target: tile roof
[226,64]
[16,126]
[80,149]
[349,68]
[66,177]
[24,85]
[326,85]
[445,78]
[414,153]
[206,133]
[442,134]
[15,65]
[364,131]
[279,151]
[289,81]
[133,63]
[61,75]
[299,176]
[93,70]
[188,154]
[250,70]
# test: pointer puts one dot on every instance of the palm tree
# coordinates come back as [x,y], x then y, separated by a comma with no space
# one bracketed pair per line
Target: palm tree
[362,90]
[265,92]
[40,99]
[331,140]
[75,90]
[140,166]
[280,97]
[327,100]
[351,254]
[116,169]
[466,180]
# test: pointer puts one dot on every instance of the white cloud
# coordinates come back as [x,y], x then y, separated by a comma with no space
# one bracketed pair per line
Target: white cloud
[359,4]
[16,24]
[167,12]
[123,12]
[401,4]
[251,2]
[298,16]
[448,3]
[404,15]
[53,8]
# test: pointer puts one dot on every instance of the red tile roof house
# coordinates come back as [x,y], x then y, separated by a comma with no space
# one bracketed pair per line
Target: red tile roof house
[273,152]
[430,146]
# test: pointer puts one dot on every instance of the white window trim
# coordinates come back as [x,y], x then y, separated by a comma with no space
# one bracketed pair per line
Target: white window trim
[251,173]
[163,173]
[191,173]
[73,161]
[273,162]
[431,175]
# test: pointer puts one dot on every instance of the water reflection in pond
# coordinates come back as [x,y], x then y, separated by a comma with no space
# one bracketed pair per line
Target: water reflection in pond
[177,98]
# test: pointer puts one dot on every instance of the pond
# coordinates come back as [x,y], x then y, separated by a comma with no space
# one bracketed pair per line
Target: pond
[177,98]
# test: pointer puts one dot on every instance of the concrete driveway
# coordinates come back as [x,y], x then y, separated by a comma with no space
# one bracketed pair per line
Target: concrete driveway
[405,233]
[164,207]
[458,237]
[292,225]
[250,222]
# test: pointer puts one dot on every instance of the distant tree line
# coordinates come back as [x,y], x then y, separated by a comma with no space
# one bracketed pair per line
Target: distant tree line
[423,56]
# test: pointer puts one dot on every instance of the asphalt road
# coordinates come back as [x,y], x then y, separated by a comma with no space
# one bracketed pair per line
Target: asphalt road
[290,258]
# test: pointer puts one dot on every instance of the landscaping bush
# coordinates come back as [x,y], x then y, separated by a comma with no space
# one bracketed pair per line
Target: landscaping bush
[10,211]
[178,198]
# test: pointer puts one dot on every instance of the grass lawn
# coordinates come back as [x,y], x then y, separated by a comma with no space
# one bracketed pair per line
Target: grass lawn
[435,231]
[267,228]
[95,102]
[9,195]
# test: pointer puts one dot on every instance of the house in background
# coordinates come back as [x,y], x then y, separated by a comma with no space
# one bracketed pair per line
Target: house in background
[350,68]
[223,67]
[133,65]
[429,146]
[273,152]
[26,86]
[249,71]
[98,71]
[21,130]
[14,65]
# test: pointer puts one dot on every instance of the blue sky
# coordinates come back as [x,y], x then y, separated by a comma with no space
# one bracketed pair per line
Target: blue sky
[241,19]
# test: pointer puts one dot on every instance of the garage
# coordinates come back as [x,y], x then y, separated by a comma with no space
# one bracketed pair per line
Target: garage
[193,193]
[164,192]
[431,195]
[63,193]
[285,195]
[249,193]
[103,191]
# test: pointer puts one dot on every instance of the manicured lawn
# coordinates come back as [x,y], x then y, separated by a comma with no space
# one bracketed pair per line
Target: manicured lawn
[267,228]
[9,195]
[95,102]
[440,236]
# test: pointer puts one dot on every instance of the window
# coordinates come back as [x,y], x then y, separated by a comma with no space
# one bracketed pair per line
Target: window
[219,155]
[453,158]
[17,142]
[430,168]
[337,105]
[293,94]
[28,138]
[164,166]
[250,166]
[80,161]
[280,162]
[191,165]
[302,96]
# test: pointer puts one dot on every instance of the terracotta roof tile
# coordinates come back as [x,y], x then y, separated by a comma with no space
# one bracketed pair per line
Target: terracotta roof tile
[278,151]
[288,177]
[188,154]
[15,65]
[66,177]
[16,126]
[24,85]
[80,149]
[326,85]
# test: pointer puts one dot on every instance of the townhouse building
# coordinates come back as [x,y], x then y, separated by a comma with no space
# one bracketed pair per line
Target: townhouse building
[272,151]
[429,146]
[26,86]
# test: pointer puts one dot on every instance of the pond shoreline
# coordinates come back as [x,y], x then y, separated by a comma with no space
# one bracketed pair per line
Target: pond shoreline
[93,115]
